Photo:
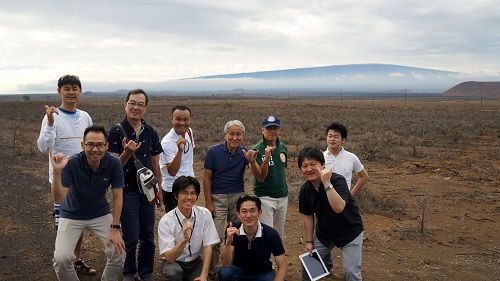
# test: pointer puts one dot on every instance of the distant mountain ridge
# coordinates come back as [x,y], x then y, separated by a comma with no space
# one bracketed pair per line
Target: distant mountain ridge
[339,71]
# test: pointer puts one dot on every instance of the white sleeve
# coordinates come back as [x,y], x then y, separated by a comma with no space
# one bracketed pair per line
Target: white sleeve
[356,164]
[47,136]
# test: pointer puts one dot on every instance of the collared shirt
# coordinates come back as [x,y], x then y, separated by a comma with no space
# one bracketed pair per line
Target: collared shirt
[170,232]
[169,146]
[253,256]
[344,164]
[150,147]
[227,168]
[65,135]
[86,197]
[341,228]
[274,184]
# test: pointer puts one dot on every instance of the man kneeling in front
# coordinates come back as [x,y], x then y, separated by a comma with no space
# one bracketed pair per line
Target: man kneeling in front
[249,246]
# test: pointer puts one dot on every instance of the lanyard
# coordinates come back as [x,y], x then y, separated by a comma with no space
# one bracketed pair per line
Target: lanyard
[189,242]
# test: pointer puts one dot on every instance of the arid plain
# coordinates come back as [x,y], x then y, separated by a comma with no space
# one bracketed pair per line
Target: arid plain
[430,208]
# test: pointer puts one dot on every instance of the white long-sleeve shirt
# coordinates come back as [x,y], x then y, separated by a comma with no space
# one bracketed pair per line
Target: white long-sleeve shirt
[65,135]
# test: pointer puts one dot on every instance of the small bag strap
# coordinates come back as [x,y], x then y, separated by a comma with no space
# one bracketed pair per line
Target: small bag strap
[119,125]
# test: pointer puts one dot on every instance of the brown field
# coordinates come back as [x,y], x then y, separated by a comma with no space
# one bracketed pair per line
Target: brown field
[430,208]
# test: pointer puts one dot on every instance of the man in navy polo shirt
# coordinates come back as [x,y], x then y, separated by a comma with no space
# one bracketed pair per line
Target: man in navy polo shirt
[223,179]
[249,246]
[138,217]
[79,185]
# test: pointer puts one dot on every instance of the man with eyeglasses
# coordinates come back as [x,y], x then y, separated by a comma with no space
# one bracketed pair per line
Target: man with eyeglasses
[138,217]
[249,245]
[79,185]
[62,131]
[178,150]
[185,233]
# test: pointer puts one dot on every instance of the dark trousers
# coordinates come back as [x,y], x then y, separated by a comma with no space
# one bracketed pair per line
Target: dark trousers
[138,221]
[169,201]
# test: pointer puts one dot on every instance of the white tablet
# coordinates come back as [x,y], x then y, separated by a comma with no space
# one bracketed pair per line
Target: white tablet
[314,265]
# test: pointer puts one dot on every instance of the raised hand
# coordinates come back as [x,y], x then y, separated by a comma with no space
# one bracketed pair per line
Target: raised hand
[131,146]
[251,155]
[181,143]
[58,161]
[231,231]
[50,110]
[187,229]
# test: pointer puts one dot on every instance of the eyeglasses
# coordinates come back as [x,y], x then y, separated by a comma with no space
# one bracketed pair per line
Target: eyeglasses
[134,104]
[91,145]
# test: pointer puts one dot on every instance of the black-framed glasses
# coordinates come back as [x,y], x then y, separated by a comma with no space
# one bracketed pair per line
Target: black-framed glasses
[91,145]
[134,104]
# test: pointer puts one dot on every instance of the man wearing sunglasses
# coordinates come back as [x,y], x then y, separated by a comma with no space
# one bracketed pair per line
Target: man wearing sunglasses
[178,150]
[185,233]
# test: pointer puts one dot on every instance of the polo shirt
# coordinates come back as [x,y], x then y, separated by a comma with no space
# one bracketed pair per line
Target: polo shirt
[344,164]
[150,147]
[86,197]
[169,146]
[254,257]
[170,232]
[340,228]
[274,184]
[227,168]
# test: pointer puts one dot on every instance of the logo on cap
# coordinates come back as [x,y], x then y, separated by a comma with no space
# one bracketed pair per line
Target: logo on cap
[271,119]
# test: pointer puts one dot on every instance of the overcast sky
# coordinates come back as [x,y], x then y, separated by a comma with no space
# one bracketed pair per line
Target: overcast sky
[133,41]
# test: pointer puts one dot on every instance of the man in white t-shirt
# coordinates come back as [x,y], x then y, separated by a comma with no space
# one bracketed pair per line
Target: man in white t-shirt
[342,161]
[178,150]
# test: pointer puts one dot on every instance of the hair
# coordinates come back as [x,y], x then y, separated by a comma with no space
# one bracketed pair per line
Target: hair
[312,153]
[184,182]
[135,92]
[69,80]
[234,123]
[248,197]
[338,127]
[95,129]
[180,107]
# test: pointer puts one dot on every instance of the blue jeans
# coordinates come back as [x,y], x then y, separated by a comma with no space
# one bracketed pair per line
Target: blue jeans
[138,221]
[351,257]
[234,273]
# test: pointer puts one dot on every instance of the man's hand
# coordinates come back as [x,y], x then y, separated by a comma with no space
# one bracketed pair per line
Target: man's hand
[117,240]
[269,150]
[181,144]
[211,208]
[231,231]
[251,155]
[50,110]
[326,175]
[131,146]
[309,248]
[58,161]
[187,229]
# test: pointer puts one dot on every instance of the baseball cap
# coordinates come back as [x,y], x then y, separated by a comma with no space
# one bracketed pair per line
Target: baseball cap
[271,121]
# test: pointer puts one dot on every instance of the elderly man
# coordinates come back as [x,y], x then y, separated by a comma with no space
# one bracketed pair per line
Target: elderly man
[79,184]
[223,179]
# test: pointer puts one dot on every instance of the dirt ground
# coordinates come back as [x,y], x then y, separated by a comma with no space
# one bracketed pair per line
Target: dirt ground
[456,189]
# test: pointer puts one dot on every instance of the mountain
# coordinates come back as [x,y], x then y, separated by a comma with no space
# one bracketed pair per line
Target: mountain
[351,78]
[475,89]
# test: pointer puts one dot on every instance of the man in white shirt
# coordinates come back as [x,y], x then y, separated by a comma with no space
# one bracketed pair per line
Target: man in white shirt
[178,151]
[342,161]
[62,131]
[185,233]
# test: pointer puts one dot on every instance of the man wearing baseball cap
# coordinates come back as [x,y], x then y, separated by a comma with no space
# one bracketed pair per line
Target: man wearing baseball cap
[270,186]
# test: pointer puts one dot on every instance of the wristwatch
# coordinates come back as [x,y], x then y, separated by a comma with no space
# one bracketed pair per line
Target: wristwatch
[329,187]
[117,226]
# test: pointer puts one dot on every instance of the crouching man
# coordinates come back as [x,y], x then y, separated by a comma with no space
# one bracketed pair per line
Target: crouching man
[249,246]
[79,184]
[185,233]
